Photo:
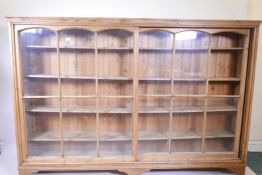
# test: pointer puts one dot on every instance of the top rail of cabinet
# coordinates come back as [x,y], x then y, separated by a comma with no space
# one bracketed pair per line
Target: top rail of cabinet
[134,22]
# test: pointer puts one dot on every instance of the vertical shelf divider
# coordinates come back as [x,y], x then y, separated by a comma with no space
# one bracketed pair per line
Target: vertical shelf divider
[60,93]
[97,98]
[135,91]
[172,92]
[206,96]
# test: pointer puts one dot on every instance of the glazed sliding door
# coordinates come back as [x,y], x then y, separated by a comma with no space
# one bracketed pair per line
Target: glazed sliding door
[78,92]
[190,91]
[96,92]
[40,94]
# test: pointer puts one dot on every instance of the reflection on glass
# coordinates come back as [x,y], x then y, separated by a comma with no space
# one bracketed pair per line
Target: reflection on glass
[191,55]
[190,35]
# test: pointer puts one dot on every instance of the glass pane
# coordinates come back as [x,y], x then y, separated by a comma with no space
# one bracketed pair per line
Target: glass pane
[154,105]
[186,145]
[77,38]
[153,133]
[154,87]
[219,144]
[222,104]
[156,39]
[40,87]
[79,126]
[190,87]
[115,88]
[221,124]
[115,38]
[77,59]
[155,55]
[227,40]
[78,87]
[39,61]
[226,57]
[187,130]
[225,65]
[191,54]
[187,124]
[185,104]
[77,47]
[223,88]
[153,124]
[115,64]
[115,105]
[43,127]
[115,134]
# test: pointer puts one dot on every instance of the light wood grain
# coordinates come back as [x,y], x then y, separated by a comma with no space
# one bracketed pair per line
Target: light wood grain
[110,90]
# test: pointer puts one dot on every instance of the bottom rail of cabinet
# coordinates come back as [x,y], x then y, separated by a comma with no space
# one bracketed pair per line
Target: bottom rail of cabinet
[238,169]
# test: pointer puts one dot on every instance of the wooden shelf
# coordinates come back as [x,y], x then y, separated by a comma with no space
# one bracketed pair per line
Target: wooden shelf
[118,136]
[154,79]
[224,108]
[82,109]
[224,79]
[190,95]
[189,79]
[77,109]
[42,76]
[39,96]
[227,49]
[115,78]
[115,96]
[127,152]
[128,78]
[169,79]
[186,135]
[78,77]
[156,135]
[192,49]
[39,47]
[77,48]
[153,110]
[78,136]
[188,109]
[156,49]
[78,96]
[224,96]
[219,134]
[151,135]
[155,95]
[115,49]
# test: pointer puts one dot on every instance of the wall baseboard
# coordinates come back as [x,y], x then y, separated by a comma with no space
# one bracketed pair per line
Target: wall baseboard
[255,146]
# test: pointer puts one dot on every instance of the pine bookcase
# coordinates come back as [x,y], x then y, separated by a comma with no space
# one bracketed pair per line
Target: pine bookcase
[132,95]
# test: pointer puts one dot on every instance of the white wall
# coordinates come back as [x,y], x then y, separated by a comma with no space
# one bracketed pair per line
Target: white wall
[194,9]
[255,140]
